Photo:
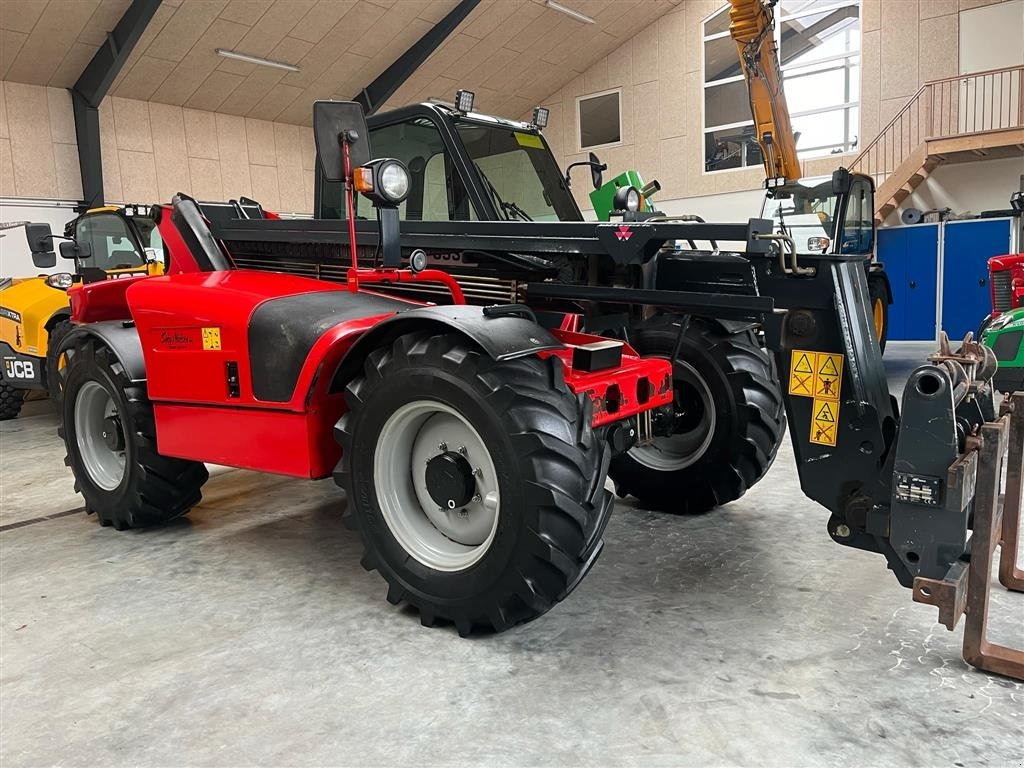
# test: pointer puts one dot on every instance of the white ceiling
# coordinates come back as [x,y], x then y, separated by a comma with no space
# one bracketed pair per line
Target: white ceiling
[513,53]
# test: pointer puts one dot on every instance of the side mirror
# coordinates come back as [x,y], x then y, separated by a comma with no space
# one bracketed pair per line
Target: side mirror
[597,169]
[40,243]
[841,181]
[336,121]
[75,250]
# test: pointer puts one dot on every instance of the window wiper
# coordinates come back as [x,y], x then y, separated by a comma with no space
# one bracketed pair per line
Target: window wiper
[509,209]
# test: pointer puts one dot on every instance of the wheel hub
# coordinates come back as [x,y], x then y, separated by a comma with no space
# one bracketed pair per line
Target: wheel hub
[441,505]
[449,479]
[112,433]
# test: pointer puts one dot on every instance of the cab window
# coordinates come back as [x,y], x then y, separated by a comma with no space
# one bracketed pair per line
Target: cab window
[113,246]
[858,233]
[436,192]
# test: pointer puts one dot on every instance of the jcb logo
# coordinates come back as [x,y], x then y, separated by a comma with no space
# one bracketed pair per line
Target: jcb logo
[19,369]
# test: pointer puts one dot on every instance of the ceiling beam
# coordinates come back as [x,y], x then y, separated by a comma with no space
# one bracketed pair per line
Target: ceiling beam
[94,83]
[373,96]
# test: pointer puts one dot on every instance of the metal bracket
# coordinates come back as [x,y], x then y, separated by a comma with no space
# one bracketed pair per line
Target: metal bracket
[966,587]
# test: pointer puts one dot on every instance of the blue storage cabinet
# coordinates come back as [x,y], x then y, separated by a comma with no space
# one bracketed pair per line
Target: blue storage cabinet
[966,248]
[911,258]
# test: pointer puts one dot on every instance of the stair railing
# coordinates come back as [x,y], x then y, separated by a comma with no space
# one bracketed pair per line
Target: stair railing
[979,102]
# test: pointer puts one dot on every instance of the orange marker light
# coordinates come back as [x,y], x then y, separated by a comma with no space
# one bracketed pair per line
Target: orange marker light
[362,179]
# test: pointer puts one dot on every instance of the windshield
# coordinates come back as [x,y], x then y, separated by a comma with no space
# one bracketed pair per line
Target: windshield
[805,210]
[519,174]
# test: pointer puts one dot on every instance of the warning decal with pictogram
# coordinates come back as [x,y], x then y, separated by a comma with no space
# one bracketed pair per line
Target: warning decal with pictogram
[824,416]
[801,373]
[828,375]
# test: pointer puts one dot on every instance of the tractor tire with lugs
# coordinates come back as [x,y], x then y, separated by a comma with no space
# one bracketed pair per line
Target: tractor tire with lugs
[11,400]
[110,436]
[729,421]
[477,486]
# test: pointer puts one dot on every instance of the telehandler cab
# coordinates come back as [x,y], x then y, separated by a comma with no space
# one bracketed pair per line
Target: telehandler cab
[472,442]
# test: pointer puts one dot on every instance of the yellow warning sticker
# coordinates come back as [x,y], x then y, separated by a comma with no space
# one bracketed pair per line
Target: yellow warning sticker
[828,376]
[824,417]
[529,140]
[211,338]
[801,373]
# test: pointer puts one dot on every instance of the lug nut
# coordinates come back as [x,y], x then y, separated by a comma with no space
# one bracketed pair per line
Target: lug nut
[442,446]
[843,531]
[462,450]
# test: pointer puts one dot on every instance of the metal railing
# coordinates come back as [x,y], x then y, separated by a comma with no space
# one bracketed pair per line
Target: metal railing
[954,106]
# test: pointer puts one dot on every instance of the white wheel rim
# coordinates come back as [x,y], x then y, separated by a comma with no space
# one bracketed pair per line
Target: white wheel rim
[93,407]
[680,450]
[442,539]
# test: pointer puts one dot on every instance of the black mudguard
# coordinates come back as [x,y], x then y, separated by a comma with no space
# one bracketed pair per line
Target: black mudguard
[122,337]
[504,337]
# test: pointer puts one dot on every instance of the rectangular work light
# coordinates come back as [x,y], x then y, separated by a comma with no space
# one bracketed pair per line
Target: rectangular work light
[464,101]
[540,116]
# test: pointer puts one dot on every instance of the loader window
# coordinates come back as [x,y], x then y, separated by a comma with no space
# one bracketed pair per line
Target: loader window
[857,235]
[437,192]
[519,173]
[113,245]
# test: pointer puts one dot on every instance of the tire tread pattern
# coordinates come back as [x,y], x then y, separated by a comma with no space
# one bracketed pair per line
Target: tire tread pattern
[563,476]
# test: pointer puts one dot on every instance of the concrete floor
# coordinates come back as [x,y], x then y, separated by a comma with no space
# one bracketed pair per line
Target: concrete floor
[249,634]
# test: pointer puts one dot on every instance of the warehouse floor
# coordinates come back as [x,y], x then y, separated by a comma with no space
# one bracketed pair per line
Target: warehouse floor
[249,633]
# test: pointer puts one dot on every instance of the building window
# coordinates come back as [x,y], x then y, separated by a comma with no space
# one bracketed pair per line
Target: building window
[599,119]
[819,52]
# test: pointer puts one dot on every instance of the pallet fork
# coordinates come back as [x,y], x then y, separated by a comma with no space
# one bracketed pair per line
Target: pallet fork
[966,588]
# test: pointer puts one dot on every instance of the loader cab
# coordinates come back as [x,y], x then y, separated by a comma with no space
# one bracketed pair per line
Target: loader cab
[834,215]
[115,240]
[464,166]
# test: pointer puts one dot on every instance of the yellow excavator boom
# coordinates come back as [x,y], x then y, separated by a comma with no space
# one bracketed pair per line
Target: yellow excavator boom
[750,24]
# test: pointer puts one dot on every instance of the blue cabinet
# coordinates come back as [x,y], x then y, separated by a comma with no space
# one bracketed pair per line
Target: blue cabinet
[966,249]
[911,258]
[959,251]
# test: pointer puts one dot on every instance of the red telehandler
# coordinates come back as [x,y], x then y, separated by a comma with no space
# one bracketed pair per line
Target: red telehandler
[472,442]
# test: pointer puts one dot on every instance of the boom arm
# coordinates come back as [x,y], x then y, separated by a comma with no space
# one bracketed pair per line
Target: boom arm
[750,24]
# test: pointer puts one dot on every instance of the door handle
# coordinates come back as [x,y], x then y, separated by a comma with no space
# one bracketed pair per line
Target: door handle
[913,284]
[982,281]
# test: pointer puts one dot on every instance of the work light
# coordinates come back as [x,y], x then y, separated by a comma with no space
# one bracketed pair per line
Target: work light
[384,182]
[540,116]
[627,199]
[464,101]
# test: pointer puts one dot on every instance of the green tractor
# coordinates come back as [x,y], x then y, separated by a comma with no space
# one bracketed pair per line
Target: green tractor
[1003,330]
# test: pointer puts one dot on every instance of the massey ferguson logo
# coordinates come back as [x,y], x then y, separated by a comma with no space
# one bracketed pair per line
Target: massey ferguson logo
[623,233]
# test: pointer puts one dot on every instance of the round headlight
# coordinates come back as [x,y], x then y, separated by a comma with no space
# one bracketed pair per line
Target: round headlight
[61,280]
[627,199]
[394,182]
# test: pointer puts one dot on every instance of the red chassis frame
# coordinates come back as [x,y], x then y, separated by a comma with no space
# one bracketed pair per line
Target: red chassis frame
[192,324]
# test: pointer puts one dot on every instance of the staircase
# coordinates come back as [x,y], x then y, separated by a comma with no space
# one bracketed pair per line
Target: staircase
[956,119]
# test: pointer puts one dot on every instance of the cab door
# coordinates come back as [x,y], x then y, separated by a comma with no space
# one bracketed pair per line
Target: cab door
[115,248]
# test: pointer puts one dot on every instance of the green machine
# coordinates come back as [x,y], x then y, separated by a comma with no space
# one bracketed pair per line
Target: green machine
[1005,336]
[626,192]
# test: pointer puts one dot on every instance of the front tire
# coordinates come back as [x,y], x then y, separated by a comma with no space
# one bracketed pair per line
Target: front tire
[729,423]
[477,486]
[11,400]
[110,436]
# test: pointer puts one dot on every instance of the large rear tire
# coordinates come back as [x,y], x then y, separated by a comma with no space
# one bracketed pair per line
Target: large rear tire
[11,400]
[729,423]
[110,436]
[477,486]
